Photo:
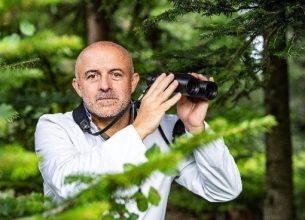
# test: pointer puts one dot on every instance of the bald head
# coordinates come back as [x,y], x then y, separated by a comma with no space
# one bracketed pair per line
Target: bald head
[110,48]
[105,79]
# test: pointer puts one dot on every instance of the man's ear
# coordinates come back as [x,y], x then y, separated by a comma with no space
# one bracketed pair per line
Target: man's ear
[76,87]
[135,78]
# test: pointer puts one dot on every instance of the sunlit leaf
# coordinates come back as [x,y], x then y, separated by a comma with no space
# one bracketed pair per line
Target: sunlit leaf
[133,216]
[153,196]
[142,202]
[27,28]
[153,152]
[170,172]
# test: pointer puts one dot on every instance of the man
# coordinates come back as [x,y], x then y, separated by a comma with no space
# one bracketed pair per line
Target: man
[105,80]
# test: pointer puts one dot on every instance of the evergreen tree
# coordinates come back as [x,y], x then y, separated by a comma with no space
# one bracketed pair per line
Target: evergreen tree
[38,43]
[247,20]
[29,47]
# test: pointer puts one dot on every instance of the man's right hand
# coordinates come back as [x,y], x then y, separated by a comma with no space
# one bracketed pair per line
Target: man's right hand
[155,103]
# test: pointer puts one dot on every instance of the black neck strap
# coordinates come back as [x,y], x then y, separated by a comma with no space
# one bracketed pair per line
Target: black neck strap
[80,117]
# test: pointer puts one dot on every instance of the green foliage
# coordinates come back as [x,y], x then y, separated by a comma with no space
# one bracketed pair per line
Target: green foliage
[40,39]
[141,200]
[153,196]
[16,163]
[7,114]
[228,32]
[92,210]
[109,189]
[98,198]
[27,28]
[36,65]
[7,5]
[128,166]
[248,14]
[299,192]
[153,152]
[44,42]
[11,207]
[79,179]
[20,73]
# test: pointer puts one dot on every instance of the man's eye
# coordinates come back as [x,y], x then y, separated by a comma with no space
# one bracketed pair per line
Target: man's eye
[116,75]
[92,76]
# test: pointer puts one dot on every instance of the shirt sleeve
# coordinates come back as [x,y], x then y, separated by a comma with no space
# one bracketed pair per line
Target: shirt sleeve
[211,172]
[61,158]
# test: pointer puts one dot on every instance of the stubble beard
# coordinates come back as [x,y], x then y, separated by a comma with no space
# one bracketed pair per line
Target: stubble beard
[106,113]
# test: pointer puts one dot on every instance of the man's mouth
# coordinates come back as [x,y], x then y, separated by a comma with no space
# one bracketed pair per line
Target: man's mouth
[106,99]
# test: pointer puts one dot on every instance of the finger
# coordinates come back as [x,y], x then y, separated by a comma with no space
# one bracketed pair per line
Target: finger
[196,75]
[169,90]
[200,76]
[171,102]
[163,85]
[156,83]
[203,77]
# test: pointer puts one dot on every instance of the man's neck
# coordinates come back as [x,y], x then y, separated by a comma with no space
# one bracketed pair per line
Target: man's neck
[103,122]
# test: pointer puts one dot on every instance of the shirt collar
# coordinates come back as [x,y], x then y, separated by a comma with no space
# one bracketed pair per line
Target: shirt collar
[88,114]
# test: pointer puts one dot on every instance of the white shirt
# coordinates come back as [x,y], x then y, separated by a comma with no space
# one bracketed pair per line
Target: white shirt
[65,150]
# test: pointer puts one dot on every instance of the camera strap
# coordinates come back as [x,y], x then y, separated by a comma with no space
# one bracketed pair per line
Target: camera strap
[81,118]
[178,129]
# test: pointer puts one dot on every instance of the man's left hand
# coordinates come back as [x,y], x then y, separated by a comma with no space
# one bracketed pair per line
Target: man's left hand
[193,112]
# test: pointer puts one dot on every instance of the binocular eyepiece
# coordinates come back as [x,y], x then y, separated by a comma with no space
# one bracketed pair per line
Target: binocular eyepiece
[191,86]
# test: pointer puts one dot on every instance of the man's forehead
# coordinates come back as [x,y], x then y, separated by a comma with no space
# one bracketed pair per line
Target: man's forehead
[105,52]
[106,60]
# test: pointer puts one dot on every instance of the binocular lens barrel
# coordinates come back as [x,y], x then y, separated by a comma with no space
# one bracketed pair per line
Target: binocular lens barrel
[191,86]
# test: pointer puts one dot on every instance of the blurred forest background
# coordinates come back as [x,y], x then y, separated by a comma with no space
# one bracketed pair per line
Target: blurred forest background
[255,50]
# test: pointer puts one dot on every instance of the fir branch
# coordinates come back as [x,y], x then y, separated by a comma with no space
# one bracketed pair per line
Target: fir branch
[7,115]
[16,163]
[12,208]
[105,194]
[43,43]
[240,51]
[108,184]
[26,63]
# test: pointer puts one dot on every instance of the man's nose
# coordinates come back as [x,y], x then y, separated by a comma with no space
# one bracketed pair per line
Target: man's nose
[105,83]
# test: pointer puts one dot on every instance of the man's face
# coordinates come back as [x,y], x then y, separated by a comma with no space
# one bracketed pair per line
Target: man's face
[105,80]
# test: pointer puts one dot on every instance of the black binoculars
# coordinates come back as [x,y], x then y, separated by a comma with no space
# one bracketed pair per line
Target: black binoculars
[191,86]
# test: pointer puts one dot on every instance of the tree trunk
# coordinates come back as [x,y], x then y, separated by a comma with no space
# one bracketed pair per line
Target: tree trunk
[279,187]
[97,22]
